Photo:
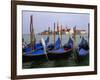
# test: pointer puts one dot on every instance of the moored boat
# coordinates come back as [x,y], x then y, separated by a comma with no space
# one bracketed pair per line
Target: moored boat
[83,49]
[60,53]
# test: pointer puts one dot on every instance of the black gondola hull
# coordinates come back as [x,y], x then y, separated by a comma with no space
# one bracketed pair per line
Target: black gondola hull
[56,56]
[46,57]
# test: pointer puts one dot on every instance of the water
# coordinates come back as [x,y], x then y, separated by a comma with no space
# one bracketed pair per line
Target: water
[64,38]
[56,63]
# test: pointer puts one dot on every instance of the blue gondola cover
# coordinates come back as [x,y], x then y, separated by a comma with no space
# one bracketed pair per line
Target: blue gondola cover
[83,48]
[57,44]
[36,47]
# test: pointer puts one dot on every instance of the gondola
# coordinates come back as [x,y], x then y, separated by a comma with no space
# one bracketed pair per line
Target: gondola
[37,54]
[61,52]
[83,49]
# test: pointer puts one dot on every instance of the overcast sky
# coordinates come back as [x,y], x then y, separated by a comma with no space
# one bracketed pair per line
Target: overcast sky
[42,20]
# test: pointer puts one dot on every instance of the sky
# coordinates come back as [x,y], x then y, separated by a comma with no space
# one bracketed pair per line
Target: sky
[43,20]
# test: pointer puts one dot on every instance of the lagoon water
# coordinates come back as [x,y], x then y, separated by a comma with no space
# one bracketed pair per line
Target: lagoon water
[65,38]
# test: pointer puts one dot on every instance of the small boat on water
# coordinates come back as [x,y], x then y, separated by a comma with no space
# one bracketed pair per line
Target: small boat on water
[60,52]
[83,49]
[36,54]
